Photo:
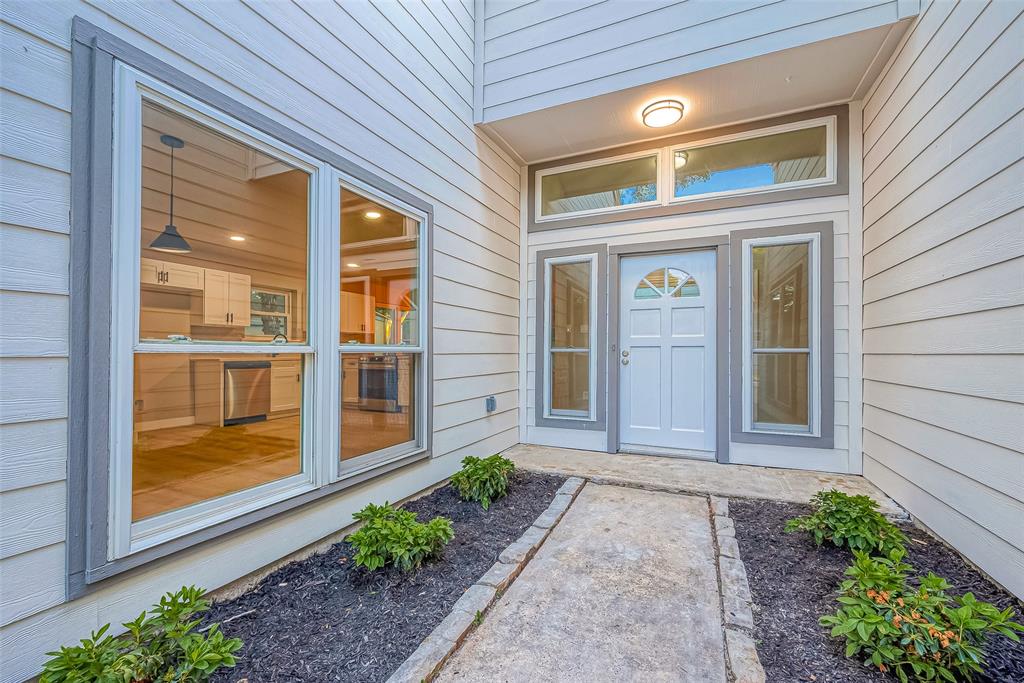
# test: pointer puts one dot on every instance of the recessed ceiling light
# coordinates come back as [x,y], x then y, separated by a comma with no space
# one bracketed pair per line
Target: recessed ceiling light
[662,113]
[236,238]
[351,265]
[371,215]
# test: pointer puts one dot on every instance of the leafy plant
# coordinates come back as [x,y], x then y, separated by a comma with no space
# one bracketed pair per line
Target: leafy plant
[161,645]
[483,479]
[851,521]
[393,535]
[920,633]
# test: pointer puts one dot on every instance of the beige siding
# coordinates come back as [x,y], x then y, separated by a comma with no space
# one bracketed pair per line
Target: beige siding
[541,54]
[385,84]
[944,280]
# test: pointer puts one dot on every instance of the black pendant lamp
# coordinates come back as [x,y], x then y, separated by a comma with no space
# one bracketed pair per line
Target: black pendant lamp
[169,240]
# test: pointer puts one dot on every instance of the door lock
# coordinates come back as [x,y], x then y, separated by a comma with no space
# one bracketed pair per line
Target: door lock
[625,353]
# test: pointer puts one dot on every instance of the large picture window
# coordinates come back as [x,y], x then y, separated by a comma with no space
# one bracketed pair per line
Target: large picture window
[247,366]
[781,332]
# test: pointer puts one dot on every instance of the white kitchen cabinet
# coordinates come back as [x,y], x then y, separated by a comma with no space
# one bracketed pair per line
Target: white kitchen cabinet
[171,275]
[226,298]
[350,378]
[285,385]
[356,313]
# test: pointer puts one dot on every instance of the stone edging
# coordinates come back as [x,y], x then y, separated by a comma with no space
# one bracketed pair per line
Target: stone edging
[737,602]
[436,648]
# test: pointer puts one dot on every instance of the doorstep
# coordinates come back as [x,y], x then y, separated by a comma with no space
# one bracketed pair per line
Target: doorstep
[677,475]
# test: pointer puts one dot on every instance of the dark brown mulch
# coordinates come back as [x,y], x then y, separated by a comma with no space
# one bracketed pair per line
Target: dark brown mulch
[324,619]
[794,583]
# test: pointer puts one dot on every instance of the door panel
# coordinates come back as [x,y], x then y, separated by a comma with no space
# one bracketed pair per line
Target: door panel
[667,352]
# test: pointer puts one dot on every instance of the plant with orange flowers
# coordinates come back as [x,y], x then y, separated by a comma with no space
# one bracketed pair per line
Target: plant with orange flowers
[920,633]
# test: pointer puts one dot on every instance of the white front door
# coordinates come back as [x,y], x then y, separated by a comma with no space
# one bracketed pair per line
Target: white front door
[667,353]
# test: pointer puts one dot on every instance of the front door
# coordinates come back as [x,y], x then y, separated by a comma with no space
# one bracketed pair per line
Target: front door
[667,354]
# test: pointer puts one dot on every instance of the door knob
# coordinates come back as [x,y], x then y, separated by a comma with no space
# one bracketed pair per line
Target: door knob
[625,361]
[625,353]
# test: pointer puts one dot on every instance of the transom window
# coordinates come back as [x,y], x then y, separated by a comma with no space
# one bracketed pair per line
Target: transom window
[788,156]
[670,282]
[227,313]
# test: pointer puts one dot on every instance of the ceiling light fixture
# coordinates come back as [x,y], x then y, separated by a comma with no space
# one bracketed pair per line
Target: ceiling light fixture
[371,215]
[169,241]
[351,265]
[662,113]
[237,238]
[681,159]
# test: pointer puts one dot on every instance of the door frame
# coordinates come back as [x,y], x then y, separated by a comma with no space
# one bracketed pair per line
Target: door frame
[720,245]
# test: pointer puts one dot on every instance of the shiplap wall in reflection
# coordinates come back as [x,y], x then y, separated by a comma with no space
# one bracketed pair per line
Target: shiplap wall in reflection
[944,280]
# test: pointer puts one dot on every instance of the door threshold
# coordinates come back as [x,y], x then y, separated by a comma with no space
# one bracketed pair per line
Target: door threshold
[691,454]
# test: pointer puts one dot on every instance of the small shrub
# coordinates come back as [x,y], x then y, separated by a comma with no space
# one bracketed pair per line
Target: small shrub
[161,645]
[921,634]
[483,479]
[851,521]
[393,535]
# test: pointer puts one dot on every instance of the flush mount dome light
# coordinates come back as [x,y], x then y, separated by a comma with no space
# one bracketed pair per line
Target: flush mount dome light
[371,215]
[662,113]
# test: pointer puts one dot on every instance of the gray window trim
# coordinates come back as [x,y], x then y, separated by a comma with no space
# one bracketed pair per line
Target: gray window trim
[840,187]
[93,53]
[720,245]
[827,340]
[600,350]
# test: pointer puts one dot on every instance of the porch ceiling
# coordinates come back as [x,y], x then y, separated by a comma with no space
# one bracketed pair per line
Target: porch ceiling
[828,72]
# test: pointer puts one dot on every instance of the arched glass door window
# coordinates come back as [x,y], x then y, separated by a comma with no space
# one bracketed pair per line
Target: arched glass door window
[670,282]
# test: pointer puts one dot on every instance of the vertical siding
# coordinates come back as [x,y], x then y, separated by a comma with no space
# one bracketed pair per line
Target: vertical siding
[389,86]
[832,209]
[541,54]
[944,280]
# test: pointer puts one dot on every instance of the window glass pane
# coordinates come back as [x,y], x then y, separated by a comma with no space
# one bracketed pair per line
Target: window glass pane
[205,426]
[755,162]
[570,305]
[378,402]
[570,382]
[780,296]
[226,221]
[780,389]
[379,273]
[616,184]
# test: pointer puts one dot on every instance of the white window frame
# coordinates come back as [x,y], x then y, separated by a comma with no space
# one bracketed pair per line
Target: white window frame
[666,170]
[288,299]
[321,380]
[658,181]
[813,240]
[546,362]
[358,465]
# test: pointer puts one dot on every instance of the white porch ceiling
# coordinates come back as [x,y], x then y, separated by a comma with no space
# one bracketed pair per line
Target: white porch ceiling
[828,72]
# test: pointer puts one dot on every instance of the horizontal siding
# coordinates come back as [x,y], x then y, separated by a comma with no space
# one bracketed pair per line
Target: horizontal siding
[944,280]
[542,54]
[386,85]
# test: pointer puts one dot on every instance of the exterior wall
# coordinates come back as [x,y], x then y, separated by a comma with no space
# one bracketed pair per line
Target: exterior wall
[841,458]
[389,87]
[541,54]
[944,281]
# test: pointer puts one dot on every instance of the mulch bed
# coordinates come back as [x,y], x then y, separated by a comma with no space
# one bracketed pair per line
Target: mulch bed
[324,619]
[794,583]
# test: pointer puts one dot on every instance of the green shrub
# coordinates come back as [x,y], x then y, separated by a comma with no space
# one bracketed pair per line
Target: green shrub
[921,634]
[393,535]
[851,521]
[162,645]
[483,479]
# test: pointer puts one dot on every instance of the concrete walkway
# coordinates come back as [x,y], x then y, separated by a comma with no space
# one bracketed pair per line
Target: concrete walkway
[694,476]
[625,588]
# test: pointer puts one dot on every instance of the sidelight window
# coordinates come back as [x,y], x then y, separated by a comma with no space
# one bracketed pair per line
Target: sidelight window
[570,283]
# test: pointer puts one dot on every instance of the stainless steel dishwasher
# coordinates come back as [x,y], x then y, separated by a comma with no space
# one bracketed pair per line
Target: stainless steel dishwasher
[246,391]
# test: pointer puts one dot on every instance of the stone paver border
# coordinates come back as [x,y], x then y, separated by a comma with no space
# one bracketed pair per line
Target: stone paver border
[737,602]
[444,640]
